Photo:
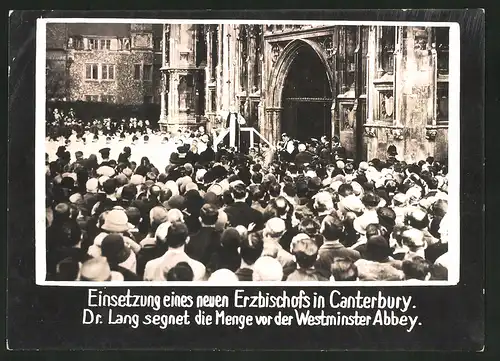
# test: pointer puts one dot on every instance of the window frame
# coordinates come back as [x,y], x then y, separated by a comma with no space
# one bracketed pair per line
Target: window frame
[92,65]
[149,73]
[139,73]
[108,66]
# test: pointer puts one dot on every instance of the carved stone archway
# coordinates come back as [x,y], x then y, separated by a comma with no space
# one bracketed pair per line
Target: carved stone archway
[277,80]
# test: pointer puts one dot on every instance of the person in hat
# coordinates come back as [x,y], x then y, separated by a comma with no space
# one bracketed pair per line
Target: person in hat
[303,156]
[392,152]
[98,270]
[267,269]
[115,222]
[371,202]
[105,156]
[273,231]
[305,252]
[120,257]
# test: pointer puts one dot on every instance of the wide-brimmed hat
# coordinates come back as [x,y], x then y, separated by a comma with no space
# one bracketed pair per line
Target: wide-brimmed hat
[351,203]
[98,270]
[136,179]
[105,170]
[116,221]
[215,189]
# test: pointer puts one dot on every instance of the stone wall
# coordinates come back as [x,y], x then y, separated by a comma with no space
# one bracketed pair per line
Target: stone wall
[124,87]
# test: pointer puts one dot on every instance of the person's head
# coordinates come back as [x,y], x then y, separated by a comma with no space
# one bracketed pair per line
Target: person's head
[267,269]
[274,229]
[223,275]
[157,215]
[177,235]
[418,219]
[209,214]
[302,147]
[67,270]
[417,268]
[114,249]
[182,271]
[323,202]
[274,189]
[251,248]
[305,250]
[377,249]
[332,227]
[387,218]
[370,200]
[69,235]
[345,190]
[309,226]
[230,239]
[343,269]
[238,191]
[98,270]
[109,186]
[175,215]
[414,239]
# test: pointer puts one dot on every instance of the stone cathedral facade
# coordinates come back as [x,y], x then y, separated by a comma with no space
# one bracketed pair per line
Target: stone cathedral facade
[371,86]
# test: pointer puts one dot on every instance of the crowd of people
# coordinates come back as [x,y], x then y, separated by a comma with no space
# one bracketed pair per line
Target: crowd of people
[302,212]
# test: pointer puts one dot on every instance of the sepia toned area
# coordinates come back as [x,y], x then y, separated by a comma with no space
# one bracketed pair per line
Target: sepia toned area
[246,152]
[371,86]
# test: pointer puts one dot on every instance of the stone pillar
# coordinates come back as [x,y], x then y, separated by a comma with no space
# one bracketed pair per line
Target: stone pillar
[165,49]
[272,127]
[416,91]
[251,58]
[183,87]
[332,113]
[220,66]
[233,68]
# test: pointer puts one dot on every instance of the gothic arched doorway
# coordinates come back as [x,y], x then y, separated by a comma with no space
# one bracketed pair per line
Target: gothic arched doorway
[306,97]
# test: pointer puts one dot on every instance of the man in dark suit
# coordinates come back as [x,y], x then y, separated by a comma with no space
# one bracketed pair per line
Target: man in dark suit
[332,248]
[206,241]
[240,213]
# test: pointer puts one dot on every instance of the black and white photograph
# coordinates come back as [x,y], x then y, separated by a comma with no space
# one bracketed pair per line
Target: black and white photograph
[227,152]
[262,180]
